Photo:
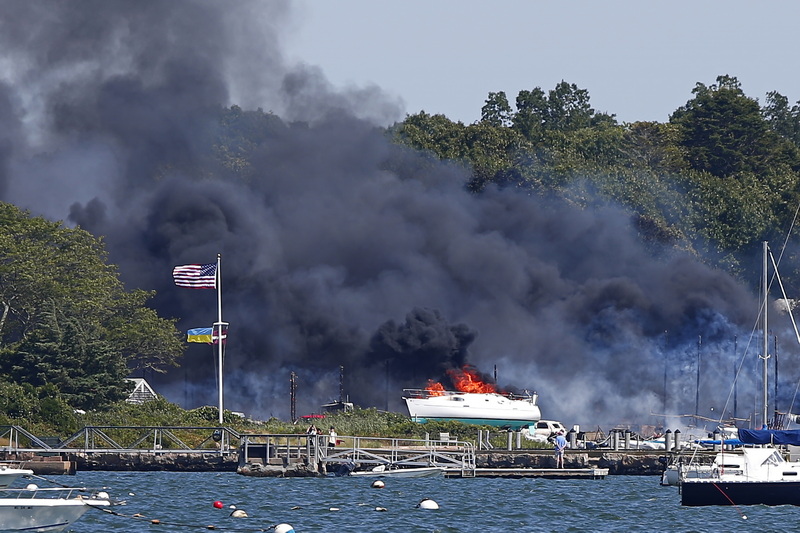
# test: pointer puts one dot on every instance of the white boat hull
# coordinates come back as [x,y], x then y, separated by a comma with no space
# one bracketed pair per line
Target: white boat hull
[753,476]
[23,512]
[475,408]
[9,474]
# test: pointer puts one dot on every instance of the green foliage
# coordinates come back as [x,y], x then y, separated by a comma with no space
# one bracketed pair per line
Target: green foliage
[496,111]
[145,340]
[566,108]
[362,422]
[784,120]
[725,133]
[722,174]
[40,410]
[432,133]
[374,423]
[160,412]
[241,134]
[65,318]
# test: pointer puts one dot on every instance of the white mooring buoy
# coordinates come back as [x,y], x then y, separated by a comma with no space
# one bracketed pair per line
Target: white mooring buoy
[284,528]
[427,503]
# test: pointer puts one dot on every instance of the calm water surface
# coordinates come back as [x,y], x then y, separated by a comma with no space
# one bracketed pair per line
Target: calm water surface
[184,502]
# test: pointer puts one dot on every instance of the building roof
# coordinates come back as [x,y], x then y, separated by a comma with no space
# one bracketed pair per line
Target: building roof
[142,391]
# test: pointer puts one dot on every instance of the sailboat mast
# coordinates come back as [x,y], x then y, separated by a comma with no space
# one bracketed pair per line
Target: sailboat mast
[765,284]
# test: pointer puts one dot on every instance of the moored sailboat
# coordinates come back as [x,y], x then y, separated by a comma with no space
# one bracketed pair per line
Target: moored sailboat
[751,476]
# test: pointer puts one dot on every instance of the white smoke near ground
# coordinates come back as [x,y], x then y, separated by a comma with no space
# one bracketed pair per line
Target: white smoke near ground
[341,249]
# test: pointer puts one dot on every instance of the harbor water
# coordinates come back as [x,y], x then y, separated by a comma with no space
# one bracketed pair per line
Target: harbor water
[185,502]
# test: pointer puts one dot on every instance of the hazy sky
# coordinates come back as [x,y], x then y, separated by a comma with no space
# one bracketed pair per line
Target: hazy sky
[638,59]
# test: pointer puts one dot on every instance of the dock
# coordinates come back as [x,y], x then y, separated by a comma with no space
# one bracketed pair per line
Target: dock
[222,449]
[545,473]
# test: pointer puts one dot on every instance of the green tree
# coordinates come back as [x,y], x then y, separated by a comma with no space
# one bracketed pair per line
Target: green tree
[241,133]
[67,353]
[784,120]
[568,108]
[66,319]
[733,213]
[432,133]
[35,407]
[496,111]
[565,108]
[492,152]
[532,113]
[145,340]
[654,146]
[724,132]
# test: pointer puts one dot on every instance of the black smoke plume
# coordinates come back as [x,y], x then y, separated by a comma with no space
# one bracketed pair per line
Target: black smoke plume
[338,249]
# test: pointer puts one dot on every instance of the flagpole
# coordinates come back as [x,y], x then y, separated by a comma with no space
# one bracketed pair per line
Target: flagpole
[219,331]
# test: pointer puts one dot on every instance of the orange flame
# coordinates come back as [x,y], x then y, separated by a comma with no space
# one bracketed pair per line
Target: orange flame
[434,388]
[467,380]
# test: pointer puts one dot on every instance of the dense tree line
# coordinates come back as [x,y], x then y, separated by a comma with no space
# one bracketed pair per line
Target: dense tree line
[720,176]
[67,324]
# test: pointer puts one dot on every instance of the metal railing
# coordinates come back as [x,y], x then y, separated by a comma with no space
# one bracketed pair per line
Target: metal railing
[154,439]
[392,452]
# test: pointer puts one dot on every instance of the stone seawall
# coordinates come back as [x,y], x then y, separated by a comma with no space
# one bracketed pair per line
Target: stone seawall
[154,462]
[618,463]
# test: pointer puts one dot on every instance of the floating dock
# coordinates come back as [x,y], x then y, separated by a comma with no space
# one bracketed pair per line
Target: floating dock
[546,473]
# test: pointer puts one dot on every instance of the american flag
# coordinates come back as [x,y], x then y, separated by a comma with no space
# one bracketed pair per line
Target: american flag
[196,276]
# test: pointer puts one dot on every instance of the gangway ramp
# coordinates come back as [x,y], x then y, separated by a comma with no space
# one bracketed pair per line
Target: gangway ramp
[367,452]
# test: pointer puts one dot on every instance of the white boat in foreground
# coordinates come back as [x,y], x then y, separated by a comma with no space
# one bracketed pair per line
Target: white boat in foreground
[46,509]
[755,476]
[492,409]
[382,471]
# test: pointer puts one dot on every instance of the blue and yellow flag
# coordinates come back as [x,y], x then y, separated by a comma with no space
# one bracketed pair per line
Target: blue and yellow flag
[199,335]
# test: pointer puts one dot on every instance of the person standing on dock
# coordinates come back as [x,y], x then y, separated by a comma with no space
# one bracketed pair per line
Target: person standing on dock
[332,438]
[561,445]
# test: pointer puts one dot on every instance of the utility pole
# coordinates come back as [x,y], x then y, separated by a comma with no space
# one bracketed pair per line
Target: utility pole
[293,396]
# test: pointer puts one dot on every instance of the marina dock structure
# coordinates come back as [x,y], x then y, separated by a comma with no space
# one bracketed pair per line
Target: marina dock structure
[286,453]
[294,455]
[222,449]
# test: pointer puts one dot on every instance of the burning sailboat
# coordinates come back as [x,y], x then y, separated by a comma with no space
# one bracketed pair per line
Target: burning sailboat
[473,402]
